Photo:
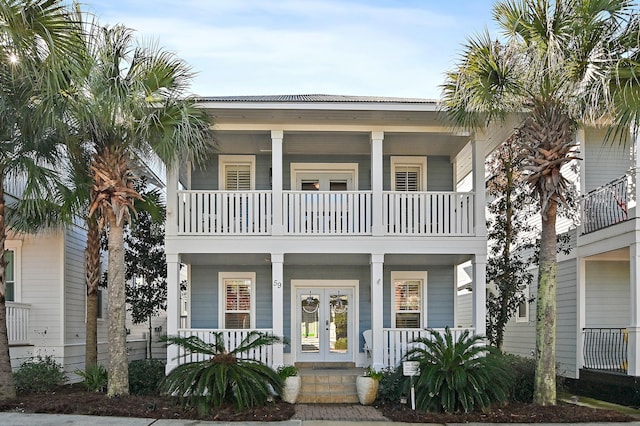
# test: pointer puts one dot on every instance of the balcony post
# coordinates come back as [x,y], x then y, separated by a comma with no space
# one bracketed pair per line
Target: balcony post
[633,330]
[173,307]
[377,297]
[377,202]
[277,306]
[581,295]
[276,182]
[172,201]
[480,294]
[635,176]
[478,145]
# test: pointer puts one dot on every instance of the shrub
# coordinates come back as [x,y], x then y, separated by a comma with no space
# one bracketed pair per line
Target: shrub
[94,378]
[38,375]
[145,376]
[461,375]
[370,372]
[524,371]
[391,386]
[225,377]
[287,371]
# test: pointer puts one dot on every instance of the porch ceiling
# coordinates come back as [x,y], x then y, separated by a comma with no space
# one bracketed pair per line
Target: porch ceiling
[613,255]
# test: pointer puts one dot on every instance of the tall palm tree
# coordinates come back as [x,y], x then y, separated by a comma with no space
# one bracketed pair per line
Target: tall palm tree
[132,102]
[40,46]
[555,70]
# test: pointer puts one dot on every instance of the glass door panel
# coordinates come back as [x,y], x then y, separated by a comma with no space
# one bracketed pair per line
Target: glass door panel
[309,323]
[339,323]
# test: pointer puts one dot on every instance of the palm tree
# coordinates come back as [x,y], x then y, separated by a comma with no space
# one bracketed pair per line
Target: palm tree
[131,103]
[554,71]
[40,46]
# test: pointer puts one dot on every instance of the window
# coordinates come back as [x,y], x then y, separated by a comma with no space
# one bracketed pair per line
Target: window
[237,299]
[324,176]
[237,172]
[99,309]
[408,173]
[408,301]
[10,276]
[522,315]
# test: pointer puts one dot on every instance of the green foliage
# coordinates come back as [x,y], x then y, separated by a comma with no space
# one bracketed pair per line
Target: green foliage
[225,377]
[462,375]
[391,386]
[39,375]
[145,376]
[94,378]
[524,371]
[287,371]
[370,372]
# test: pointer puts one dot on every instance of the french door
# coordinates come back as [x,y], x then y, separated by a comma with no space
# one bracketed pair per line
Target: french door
[324,324]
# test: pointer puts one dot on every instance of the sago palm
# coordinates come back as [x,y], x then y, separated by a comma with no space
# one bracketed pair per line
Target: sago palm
[225,376]
[553,70]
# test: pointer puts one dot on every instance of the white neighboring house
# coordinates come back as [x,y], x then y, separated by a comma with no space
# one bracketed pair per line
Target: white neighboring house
[321,217]
[598,293]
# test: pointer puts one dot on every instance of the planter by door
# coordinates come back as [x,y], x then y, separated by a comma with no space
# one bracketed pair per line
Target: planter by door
[291,389]
[367,388]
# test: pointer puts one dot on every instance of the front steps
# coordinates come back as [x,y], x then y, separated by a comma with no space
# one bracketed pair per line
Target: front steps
[328,383]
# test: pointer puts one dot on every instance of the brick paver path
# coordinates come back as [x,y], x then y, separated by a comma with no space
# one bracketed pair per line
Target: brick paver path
[337,412]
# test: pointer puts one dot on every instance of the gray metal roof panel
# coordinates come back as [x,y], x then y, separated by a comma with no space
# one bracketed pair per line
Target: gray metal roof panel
[314,98]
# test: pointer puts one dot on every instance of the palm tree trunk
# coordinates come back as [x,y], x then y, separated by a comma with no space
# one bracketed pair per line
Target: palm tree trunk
[7,385]
[545,380]
[92,271]
[118,367]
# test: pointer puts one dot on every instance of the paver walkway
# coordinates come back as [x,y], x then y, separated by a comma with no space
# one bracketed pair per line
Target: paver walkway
[337,412]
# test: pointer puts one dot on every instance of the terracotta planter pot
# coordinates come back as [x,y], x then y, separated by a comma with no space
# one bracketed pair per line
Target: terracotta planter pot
[367,388]
[291,389]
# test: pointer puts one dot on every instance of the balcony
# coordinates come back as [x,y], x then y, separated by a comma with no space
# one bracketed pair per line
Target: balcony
[605,349]
[18,323]
[607,205]
[215,213]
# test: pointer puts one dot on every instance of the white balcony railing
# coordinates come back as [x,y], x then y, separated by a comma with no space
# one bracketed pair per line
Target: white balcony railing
[398,341]
[429,213]
[232,339]
[224,212]
[344,213]
[18,323]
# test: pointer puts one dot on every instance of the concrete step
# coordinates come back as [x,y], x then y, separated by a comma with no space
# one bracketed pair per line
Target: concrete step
[328,385]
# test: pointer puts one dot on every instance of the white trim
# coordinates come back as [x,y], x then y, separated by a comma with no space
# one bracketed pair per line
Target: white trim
[325,169]
[225,160]
[16,247]
[222,296]
[411,161]
[410,275]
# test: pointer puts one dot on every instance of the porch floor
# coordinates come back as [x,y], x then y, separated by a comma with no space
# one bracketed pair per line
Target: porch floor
[333,384]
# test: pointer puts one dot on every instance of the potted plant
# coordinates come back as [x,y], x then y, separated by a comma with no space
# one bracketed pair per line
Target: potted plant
[291,388]
[367,386]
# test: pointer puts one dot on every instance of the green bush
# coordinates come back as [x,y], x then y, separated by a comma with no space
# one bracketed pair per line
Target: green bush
[391,386]
[95,378]
[524,371]
[462,375]
[145,376]
[224,377]
[39,375]
[285,371]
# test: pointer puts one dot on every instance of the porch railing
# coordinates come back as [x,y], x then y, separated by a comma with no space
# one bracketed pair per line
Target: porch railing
[224,212]
[18,323]
[605,349]
[605,206]
[327,212]
[429,213]
[398,341]
[232,339]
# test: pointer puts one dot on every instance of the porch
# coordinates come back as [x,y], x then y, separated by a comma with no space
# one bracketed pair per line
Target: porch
[605,349]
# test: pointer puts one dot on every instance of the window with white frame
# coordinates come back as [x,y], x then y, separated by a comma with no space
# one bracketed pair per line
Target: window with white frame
[522,314]
[408,299]
[12,270]
[237,172]
[408,174]
[237,307]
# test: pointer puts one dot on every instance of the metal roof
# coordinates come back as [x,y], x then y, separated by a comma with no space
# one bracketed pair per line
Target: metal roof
[315,98]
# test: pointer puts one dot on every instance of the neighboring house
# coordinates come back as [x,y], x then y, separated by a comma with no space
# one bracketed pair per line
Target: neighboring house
[321,217]
[598,292]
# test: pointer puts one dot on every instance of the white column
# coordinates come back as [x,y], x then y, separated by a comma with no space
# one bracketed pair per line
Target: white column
[277,305]
[276,181]
[634,326]
[581,314]
[480,294]
[478,152]
[173,307]
[377,297]
[171,227]
[376,183]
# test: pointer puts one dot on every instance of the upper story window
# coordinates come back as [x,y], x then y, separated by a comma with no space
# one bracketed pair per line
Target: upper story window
[408,173]
[522,314]
[237,172]
[324,176]
[12,270]
[408,301]
[237,299]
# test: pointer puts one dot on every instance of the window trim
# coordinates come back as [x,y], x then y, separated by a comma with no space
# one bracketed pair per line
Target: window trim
[230,160]
[410,275]
[525,318]
[409,161]
[16,247]
[325,169]
[222,298]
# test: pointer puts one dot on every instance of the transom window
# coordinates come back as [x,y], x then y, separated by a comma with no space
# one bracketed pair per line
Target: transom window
[408,299]
[237,300]
[408,174]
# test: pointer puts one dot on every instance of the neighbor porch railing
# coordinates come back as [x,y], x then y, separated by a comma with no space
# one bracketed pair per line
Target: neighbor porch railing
[398,341]
[605,206]
[231,338]
[605,349]
[18,323]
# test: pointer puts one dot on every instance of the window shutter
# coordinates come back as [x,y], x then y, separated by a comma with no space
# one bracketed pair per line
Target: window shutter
[237,303]
[238,177]
[407,178]
[408,303]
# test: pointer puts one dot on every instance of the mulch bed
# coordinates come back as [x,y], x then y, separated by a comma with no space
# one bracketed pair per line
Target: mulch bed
[74,399]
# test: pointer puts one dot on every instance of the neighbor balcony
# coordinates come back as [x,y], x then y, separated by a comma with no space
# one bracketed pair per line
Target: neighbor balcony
[18,323]
[607,205]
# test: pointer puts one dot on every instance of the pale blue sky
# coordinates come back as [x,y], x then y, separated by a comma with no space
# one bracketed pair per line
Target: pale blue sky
[273,47]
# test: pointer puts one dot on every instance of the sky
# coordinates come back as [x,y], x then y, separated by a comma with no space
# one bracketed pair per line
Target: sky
[279,47]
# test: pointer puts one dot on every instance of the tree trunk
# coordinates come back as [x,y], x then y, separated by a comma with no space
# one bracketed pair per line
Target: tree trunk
[92,271]
[7,385]
[545,380]
[149,341]
[118,367]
